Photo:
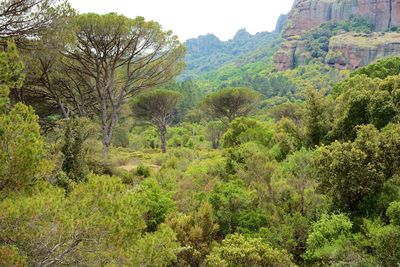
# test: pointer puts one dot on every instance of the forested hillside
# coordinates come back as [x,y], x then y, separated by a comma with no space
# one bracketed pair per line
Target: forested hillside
[111,156]
[207,53]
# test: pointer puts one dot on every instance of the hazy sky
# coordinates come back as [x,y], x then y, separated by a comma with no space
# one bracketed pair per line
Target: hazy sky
[190,18]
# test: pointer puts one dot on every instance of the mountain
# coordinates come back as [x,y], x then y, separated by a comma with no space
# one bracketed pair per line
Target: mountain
[354,32]
[281,23]
[208,53]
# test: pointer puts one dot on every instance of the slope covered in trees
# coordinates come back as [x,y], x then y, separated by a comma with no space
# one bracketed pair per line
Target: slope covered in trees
[208,53]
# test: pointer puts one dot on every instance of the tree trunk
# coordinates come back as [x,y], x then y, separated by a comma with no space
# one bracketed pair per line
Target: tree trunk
[106,142]
[215,143]
[163,131]
[108,129]
[64,111]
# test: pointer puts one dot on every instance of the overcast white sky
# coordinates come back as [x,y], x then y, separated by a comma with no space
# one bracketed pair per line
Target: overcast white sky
[190,18]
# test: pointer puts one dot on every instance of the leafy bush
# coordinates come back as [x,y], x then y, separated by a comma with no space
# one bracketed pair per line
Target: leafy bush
[21,148]
[237,250]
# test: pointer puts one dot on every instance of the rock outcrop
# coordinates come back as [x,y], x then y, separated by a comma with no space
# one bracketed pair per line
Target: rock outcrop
[204,44]
[353,50]
[308,14]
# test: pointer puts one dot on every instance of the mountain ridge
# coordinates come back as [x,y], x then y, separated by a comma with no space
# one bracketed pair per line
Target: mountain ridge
[208,53]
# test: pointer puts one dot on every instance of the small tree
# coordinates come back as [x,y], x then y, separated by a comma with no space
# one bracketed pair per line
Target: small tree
[11,73]
[231,103]
[21,148]
[157,107]
[77,131]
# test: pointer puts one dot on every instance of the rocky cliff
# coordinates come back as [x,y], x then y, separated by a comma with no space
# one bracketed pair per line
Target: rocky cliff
[352,50]
[305,15]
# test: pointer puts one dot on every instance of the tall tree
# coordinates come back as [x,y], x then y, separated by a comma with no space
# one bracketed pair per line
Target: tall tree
[317,117]
[157,107]
[353,173]
[120,57]
[231,103]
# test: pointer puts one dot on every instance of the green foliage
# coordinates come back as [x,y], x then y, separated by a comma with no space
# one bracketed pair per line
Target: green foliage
[191,93]
[290,234]
[237,250]
[11,73]
[269,85]
[76,133]
[121,137]
[143,171]
[237,157]
[113,216]
[384,241]
[297,187]
[214,131]
[393,212]
[103,214]
[288,138]
[21,149]
[364,100]
[244,130]
[149,254]
[157,203]
[317,39]
[30,221]
[231,103]
[233,203]
[207,53]
[157,107]
[382,69]
[195,231]
[9,256]
[317,117]
[330,242]
[315,75]
[352,173]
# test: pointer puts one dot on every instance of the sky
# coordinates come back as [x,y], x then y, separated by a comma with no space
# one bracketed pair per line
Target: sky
[191,18]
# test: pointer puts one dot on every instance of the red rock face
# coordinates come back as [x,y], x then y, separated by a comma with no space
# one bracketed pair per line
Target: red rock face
[308,14]
[395,14]
[283,61]
[353,55]
[377,11]
[284,58]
